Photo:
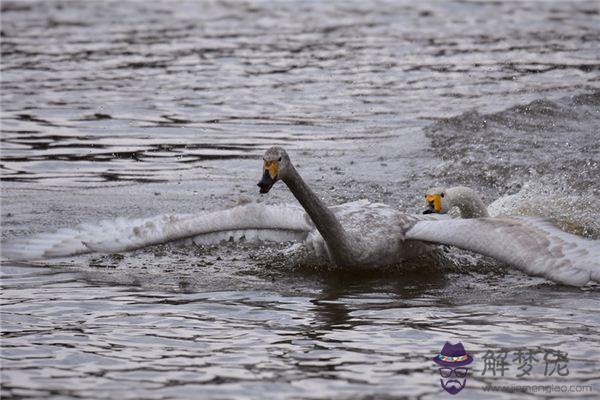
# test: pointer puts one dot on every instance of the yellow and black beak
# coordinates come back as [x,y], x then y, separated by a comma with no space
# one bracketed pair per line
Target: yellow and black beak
[269,177]
[433,203]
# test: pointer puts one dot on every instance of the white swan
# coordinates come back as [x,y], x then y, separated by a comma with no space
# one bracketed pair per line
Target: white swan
[354,234]
[532,244]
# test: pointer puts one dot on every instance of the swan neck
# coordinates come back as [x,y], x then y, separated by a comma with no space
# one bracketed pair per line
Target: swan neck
[468,202]
[324,219]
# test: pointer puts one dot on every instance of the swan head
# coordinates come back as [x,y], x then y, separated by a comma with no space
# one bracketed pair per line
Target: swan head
[276,165]
[437,201]
[467,200]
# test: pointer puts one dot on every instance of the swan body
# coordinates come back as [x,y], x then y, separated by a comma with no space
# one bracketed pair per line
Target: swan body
[376,233]
[574,213]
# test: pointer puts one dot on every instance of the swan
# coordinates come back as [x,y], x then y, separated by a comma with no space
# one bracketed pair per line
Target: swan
[358,234]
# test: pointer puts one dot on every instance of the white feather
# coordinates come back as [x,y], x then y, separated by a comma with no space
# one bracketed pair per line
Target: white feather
[534,245]
[251,221]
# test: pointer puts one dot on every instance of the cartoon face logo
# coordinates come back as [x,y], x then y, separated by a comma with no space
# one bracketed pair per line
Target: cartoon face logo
[453,360]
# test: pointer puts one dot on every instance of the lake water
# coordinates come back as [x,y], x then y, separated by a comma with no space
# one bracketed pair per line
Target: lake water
[132,109]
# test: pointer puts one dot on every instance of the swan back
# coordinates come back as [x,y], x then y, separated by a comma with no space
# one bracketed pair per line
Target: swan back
[377,232]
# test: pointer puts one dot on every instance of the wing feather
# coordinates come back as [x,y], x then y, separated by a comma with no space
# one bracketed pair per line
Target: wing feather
[534,245]
[252,221]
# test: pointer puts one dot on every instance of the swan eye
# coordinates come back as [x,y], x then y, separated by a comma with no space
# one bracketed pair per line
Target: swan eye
[442,194]
[279,159]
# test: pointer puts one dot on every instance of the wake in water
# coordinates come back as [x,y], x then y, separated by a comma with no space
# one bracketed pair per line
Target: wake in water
[538,159]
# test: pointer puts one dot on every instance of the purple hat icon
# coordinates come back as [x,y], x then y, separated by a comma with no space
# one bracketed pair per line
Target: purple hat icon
[453,355]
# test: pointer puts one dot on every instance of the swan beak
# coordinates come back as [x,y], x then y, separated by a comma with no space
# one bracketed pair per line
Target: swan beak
[266,182]
[433,202]
[270,169]
[430,208]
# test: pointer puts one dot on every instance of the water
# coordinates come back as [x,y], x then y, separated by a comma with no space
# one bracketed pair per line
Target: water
[134,109]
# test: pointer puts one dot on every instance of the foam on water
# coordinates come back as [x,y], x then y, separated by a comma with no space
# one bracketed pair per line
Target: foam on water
[537,159]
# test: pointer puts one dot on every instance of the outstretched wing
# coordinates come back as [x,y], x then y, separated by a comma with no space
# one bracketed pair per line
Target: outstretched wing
[252,221]
[534,245]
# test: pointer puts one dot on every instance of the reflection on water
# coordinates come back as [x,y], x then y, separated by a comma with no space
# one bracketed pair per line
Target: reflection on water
[132,109]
